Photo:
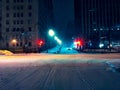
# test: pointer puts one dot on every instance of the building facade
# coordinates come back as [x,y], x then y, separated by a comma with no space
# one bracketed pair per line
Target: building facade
[0,19]
[21,24]
[96,18]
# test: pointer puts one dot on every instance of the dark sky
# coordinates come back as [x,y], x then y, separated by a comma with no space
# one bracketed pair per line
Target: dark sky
[63,14]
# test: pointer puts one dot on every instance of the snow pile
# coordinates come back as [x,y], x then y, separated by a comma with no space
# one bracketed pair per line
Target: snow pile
[5,52]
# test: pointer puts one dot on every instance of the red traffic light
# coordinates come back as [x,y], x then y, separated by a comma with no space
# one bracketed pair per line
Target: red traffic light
[40,42]
[78,42]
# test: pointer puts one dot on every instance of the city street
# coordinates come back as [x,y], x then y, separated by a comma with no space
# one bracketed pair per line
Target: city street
[60,72]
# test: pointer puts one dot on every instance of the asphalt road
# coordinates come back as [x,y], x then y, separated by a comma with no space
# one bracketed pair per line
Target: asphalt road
[59,72]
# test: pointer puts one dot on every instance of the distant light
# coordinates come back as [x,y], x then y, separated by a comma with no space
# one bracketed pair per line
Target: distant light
[101,29]
[101,45]
[59,41]
[118,28]
[94,29]
[51,32]
[40,42]
[55,37]
[14,41]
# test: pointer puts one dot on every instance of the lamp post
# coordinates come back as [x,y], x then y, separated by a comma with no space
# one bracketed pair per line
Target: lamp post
[52,34]
[14,42]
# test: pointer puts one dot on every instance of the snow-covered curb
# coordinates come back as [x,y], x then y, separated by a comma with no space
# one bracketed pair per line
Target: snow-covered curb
[5,52]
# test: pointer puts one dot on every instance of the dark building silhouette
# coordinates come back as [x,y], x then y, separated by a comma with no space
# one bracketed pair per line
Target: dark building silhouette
[96,18]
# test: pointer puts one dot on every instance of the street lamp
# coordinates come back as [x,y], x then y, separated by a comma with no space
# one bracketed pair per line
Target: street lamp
[14,41]
[51,33]
[58,40]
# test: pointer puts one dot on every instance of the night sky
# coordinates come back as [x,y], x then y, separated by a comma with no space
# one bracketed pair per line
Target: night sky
[63,15]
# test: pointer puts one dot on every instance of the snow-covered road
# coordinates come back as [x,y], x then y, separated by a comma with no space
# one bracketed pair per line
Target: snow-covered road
[58,72]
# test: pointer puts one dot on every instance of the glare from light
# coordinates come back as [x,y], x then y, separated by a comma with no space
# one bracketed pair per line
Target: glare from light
[14,41]
[101,45]
[59,41]
[55,37]
[51,33]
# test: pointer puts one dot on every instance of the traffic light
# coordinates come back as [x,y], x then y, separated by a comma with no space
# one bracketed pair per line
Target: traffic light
[78,43]
[40,42]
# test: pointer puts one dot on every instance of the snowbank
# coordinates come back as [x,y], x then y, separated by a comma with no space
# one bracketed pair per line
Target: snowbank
[5,52]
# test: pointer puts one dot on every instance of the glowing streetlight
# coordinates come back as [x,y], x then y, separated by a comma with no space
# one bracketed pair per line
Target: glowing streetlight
[51,33]
[58,40]
[55,37]
[14,41]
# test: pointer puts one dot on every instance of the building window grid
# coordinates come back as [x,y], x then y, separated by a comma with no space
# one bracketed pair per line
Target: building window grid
[17,1]
[30,1]
[7,22]
[7,8]
[29,29]
[7,29]
[7,14]
[30,14]
[7,1]
[29,7]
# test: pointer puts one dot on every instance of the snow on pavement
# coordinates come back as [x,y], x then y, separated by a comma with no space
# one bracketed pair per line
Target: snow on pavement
[44,58]
[58,72]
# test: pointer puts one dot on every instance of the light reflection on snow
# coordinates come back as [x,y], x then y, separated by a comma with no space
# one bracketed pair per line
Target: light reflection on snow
[53,58]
